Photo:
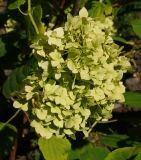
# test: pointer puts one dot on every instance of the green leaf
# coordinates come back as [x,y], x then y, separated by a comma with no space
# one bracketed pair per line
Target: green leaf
[108,9]
[37,15]
[16,81]
[133,99]
[2,48]
[83,2]
[138,157]
[113,140]
[123,153]
[97,10]
[12,85]
[89,152]
[7,136]
[136,25]
[54,148]
[120,39]
[16,4]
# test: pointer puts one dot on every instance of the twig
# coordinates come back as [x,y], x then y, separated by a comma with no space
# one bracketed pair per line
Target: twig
[62,4]
[31,17]
[10,119]
[27,117]
[76,7]
[94,124]
[21,122]
[12,155]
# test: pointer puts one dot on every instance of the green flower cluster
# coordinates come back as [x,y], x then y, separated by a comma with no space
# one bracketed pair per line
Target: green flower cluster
[78,77]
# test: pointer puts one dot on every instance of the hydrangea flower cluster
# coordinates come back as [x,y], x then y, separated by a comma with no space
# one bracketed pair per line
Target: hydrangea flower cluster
[78,77]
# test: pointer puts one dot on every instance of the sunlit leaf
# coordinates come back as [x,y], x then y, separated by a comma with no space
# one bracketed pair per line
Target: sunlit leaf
[54,148]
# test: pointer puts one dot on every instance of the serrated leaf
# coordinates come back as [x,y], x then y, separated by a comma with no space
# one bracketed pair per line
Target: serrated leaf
[133,99]
[54,148]
[136,25]
[16,4]
[2,48]
[123,153]
[97,10]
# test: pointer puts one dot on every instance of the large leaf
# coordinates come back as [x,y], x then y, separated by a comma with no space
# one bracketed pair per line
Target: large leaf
[16,4]
[16,80]
[133,99]
[138,157]
[136,25]
[113,140]
[7,136]
[89,152]
[54,148]
[125,153]
[2,48]
[118,140]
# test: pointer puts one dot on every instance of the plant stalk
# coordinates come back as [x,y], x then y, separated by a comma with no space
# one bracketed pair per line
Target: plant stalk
[31,17]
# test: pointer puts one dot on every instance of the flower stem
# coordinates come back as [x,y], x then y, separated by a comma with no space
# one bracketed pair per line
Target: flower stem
[31,17]
[94,124]
[10,119]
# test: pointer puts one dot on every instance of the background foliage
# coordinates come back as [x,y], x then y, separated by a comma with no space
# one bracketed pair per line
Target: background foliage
[119,138]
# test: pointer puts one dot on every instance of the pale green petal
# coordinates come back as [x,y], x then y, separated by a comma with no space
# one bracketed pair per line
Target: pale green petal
[83,12]
[28,88]
[25,107]
[29,95]
[58,123]
[72,66]
[60,32]
[16,104]
[41,113]
[68,131]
